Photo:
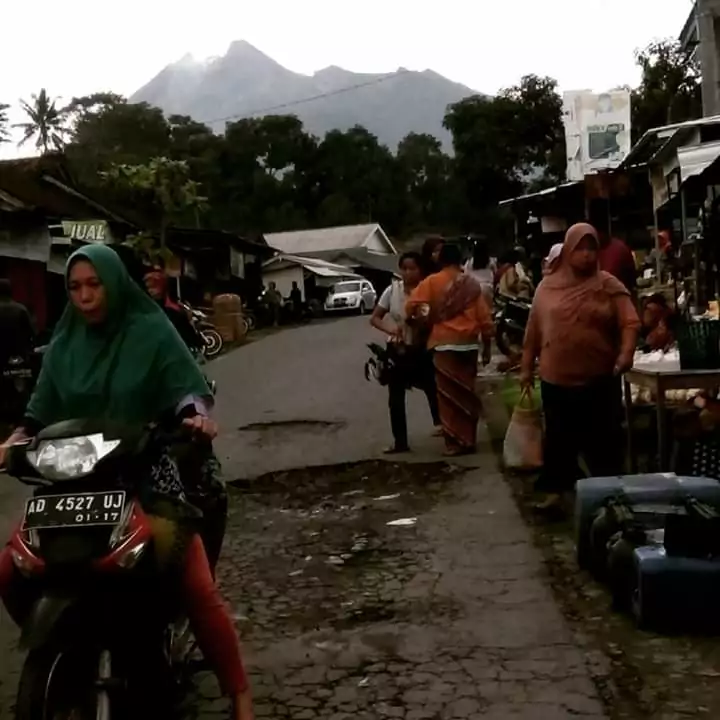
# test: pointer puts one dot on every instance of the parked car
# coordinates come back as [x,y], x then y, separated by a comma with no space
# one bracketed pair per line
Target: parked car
[351,295]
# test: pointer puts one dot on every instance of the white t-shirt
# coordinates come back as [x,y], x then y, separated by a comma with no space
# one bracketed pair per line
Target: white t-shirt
[393,301]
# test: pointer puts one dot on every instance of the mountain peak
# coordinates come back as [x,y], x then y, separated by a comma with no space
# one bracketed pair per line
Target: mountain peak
[245,79]
[247,51]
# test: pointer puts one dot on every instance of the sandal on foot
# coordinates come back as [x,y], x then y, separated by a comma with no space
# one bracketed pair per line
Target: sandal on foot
[396,450]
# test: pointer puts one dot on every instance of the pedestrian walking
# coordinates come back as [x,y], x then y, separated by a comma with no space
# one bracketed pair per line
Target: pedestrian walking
[479,267]
[412,362]
[583,327]
[431,254]
[451,304]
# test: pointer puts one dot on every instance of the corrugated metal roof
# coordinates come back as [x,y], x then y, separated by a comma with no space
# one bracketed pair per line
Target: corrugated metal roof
[655,141]
[334,238]
[695,159]
[320,267]
[541,193]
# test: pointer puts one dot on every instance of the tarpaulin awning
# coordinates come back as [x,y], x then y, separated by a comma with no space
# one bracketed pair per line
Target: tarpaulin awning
[695,159]
[328,272]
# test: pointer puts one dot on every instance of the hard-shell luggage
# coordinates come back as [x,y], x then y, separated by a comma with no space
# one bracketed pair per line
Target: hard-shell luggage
[673,592]
[660,558]
[593,493]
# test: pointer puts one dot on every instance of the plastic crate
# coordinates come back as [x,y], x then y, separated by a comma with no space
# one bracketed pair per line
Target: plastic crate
[699,344]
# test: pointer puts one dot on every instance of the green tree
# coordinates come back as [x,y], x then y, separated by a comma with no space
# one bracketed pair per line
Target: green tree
[162,190]
[262,182]
[46,122]
[423,173]
[107,130]
[357,174]
[4,123]
[670,89]
[506,143]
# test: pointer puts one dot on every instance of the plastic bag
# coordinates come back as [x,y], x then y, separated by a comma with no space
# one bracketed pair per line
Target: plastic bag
[523,446]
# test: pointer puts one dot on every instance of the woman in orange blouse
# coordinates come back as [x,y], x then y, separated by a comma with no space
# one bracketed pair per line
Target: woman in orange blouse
[452,302]
[583,327]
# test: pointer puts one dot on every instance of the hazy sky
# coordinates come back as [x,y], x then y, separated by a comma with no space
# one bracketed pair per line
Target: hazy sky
[75,47]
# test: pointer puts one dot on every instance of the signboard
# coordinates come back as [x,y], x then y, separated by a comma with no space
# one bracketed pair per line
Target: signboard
[85,231]
[597,131]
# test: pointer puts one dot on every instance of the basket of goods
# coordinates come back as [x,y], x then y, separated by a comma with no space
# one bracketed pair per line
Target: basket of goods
[227,317]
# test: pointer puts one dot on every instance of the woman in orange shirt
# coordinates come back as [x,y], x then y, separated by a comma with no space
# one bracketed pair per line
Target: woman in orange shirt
[452,303]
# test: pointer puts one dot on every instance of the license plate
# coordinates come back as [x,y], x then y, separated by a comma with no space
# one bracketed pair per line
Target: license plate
[17,373]
[76,510]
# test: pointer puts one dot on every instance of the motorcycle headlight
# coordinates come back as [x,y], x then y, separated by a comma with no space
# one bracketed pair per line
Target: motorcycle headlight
[67,458]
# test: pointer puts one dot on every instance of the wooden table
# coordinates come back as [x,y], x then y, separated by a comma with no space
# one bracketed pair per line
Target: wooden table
[659,383]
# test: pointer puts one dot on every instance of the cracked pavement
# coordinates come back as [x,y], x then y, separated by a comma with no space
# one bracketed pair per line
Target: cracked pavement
[448,618]
[342,615]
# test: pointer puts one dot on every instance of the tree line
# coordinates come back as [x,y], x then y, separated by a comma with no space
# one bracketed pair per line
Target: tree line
[268,174]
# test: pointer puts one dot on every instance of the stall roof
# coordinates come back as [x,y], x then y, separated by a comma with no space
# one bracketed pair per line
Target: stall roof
[313,265]
[546,193]
[359,257]
[696,159]
[658,140]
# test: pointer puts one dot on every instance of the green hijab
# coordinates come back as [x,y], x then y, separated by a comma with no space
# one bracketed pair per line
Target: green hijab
[130,369]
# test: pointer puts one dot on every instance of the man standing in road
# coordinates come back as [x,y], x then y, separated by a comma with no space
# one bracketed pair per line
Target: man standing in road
[16,329]
[274,302]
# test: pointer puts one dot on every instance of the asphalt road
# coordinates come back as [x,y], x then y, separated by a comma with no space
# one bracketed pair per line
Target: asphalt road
[344,616]
[300,398]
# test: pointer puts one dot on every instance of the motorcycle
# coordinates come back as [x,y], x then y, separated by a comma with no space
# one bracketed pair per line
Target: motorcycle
[511,317]
[84,550]
[17,382]
[212,339]
[200,359]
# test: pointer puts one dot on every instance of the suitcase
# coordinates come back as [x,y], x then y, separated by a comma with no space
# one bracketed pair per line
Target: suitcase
[661,561]
[675,593]
[647,489]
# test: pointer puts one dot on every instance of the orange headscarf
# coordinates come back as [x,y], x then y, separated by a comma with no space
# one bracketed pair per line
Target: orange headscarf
[572,291]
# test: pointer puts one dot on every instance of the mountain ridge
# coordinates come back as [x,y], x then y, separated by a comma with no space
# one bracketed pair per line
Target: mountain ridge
[246,82]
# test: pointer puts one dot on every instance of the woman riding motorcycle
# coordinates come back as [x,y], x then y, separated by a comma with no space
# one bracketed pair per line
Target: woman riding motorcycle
[114,355]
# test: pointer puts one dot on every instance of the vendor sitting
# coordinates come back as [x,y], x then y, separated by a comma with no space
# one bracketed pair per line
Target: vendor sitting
[657,322]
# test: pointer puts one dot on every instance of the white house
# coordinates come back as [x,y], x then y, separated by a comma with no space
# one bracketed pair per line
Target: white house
[371,238]
[285,269]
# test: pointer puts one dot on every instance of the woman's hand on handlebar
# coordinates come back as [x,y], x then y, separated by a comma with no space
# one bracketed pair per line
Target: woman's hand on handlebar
[201,426]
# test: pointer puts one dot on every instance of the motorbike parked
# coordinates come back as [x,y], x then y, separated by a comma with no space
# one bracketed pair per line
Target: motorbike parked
[17,381]
[212,339]
[511,317]
[84,550]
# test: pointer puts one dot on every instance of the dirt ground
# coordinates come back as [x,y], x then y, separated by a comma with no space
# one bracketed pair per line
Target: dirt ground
[644,675]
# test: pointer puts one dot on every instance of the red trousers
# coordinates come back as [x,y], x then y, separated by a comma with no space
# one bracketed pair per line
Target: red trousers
[208,615]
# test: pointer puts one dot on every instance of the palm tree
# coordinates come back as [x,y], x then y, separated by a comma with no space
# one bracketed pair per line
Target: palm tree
[46,123]
[4,132]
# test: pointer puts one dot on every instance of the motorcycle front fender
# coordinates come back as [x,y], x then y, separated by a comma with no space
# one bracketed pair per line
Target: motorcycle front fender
[43,620]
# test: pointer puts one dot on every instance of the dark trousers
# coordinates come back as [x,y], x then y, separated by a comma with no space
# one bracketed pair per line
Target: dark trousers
[584,420]
[419,373]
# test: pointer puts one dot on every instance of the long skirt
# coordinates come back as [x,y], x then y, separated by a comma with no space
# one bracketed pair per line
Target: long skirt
[581,421]
[456,373]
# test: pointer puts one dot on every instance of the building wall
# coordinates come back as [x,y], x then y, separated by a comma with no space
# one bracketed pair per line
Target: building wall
[376,243]
[284,278]
[708,31]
